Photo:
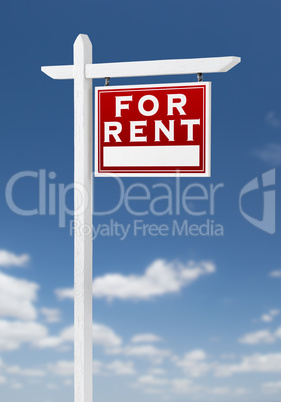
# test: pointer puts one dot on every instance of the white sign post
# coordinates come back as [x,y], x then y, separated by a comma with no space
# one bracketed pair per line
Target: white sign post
[83,71]
[83,166]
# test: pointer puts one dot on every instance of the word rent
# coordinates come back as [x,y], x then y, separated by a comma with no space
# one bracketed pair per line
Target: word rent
[174,101]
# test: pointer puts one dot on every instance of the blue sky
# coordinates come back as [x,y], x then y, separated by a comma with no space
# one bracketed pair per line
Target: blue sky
[199,316]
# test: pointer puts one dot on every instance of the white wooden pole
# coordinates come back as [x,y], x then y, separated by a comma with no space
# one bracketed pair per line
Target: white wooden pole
[83,166]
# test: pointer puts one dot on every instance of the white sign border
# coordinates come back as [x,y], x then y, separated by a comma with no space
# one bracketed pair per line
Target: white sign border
[207,172]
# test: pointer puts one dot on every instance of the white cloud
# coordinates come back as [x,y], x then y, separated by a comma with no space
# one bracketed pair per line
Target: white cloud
[275,274]
[3,380]
[105,336]
[49,342]
[64,293]
[51,314]
[269,317]
[195,363]
[16,385]
[272,387]
[263,336]
[65,336]
[160,278]
[8,259]
[266,318]
[219,391]
[62,368]
[25,372]
[65,368]
[167,385]
[102,335]
[119,367]
[157,371]
[270,154]
[272,119]
[151,380]
[14,333]
[256,363]
[254,338]
[148,351]
[17,297]
[116,367]
[277,333]
[97,367]
[51,386]
[146,338]
[241,391]
[184,386]
[154,391]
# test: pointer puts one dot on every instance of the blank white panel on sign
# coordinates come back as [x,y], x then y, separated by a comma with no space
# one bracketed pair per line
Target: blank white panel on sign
[151,156]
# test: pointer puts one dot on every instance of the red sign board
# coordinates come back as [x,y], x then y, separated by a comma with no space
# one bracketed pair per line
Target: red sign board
[158,130]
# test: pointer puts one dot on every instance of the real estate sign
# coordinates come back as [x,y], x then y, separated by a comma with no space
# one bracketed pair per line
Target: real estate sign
[156,130]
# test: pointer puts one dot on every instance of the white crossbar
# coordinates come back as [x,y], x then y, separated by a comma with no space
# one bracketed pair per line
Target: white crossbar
[147,68]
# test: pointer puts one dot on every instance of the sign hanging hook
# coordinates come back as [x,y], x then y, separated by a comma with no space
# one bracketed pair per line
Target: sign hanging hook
[107,79]
[200,77]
